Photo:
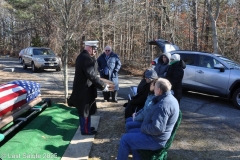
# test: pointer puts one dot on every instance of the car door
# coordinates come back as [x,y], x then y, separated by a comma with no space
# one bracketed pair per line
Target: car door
[209,79]
[188,81]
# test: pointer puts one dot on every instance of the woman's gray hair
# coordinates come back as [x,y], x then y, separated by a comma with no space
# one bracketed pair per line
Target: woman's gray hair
[163,84]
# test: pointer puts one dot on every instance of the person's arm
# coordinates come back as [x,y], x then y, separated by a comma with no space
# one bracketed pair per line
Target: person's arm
[140,98]
[99,64]
[89,71]
[118,64]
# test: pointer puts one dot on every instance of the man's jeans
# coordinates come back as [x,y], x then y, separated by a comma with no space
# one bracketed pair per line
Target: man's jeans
[130,124]
[133,142]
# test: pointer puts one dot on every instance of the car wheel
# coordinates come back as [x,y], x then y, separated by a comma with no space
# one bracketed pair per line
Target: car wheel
[34,69]
[58,69]
[20,60]
[236,98]
[24,65]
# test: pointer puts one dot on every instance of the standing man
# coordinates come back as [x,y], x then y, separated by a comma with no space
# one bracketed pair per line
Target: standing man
[108,66]
[85,87]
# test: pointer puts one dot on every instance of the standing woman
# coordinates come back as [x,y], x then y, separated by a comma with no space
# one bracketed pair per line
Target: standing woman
[162,65]
[108,66]
[175,75]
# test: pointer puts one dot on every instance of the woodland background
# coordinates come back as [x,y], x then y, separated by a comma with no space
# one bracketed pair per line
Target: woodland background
[126,25]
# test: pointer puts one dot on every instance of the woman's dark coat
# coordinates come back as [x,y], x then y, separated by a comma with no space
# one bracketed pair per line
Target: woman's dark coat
[113,63]
[85,85]
[137,102]
[175,75]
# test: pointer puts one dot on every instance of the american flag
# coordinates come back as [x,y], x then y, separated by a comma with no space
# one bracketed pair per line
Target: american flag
[32,88]
[12,97]
[17,93]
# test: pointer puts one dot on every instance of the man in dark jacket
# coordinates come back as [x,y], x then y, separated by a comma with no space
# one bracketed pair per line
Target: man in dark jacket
[175,75]
[85,87]
[108,66]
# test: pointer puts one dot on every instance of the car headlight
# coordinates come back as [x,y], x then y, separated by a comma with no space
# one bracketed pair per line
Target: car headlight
[39,59]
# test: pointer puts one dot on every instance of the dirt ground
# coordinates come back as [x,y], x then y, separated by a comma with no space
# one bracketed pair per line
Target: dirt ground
[196,139]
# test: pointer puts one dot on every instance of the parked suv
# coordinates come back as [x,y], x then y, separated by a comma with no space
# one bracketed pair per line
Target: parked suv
[41,58]
[211,74]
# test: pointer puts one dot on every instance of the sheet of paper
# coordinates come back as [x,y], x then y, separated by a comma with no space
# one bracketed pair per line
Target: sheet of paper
[134,90]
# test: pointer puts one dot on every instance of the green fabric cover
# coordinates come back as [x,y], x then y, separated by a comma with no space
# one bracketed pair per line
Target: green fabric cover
[47,136]
[161,154]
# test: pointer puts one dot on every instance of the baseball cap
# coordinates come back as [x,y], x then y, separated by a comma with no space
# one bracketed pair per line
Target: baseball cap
[150,74]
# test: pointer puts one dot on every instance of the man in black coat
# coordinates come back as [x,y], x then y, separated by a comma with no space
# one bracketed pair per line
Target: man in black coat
[85,87]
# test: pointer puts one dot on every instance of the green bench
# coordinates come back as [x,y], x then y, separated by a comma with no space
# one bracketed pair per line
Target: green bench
[161,154]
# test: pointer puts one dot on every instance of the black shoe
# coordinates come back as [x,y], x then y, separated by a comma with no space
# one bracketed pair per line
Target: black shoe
[92,128]
[91,133]
[114,101]
[105,100]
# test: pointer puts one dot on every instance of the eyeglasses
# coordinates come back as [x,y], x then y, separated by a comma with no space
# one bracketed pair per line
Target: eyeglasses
[107,50]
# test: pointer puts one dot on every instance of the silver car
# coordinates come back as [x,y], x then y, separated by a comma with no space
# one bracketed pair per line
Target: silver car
[40,58]
[211,74]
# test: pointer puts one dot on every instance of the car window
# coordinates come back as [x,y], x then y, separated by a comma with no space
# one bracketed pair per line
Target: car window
[188,58]
[207,61]
[42,52]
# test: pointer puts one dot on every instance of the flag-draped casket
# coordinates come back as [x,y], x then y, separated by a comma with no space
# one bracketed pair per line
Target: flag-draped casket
[15,94]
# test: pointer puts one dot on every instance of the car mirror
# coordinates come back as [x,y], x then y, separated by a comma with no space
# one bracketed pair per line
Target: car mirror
[220,67]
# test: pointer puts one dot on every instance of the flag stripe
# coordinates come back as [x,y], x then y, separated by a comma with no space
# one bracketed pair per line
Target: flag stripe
[12,107]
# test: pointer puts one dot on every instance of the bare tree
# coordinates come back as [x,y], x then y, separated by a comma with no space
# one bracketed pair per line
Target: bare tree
[68,18]
[213,19]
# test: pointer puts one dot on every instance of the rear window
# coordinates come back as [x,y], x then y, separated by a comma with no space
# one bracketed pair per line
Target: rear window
[188,58]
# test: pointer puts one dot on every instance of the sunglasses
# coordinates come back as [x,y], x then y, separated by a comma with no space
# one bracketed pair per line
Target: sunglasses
[107,50]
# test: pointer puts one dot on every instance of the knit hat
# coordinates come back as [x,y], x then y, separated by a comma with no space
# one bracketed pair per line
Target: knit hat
[150,74]
[175,57]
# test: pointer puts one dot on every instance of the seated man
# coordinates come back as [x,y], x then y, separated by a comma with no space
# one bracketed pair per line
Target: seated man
[157,125]
[137,102]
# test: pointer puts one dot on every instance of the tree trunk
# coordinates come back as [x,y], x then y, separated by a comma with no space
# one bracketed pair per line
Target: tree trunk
[214,26]
[195,25]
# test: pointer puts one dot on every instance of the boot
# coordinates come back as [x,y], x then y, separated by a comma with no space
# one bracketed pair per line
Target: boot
[114,96]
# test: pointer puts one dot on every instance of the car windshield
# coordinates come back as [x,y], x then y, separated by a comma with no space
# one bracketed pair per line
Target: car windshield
[42,52]
[233,64]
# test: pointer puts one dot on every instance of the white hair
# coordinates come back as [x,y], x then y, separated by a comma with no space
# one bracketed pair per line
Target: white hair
[163,84]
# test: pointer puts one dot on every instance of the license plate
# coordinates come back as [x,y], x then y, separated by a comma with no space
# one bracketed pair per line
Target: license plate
[51,64]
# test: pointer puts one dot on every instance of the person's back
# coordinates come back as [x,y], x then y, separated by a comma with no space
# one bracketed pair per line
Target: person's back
[168,108]
[175,75]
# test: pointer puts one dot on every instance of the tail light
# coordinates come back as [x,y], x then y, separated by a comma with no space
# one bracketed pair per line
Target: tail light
[153,63]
